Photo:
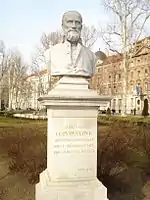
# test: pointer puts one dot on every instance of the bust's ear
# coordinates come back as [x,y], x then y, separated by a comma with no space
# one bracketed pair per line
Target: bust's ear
[63,26]
[63,30]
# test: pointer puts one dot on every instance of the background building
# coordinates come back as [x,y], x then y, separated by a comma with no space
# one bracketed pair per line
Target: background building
[109,78]
[33,87]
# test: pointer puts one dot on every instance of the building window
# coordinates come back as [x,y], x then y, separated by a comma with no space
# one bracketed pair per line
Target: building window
[138,61]
[131,63]
[109,89]
[146,86]
[119,103]
[114,104]
[131,88]
[115,77]
[146,72]
[132,102]
[119,77]
[99,62]
[138,102]
[138,74]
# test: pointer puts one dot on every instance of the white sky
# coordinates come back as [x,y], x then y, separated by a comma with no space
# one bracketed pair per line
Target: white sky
[22,22]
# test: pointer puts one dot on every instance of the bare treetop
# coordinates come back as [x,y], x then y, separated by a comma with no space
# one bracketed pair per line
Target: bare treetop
[130,19]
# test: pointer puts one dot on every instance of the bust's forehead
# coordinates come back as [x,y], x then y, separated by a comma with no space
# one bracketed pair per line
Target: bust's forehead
[72,14]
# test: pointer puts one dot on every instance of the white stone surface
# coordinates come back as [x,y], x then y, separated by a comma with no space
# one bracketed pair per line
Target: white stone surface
[58,60]
[72,149]
[71,57]
[79,190]
[73,91]
[71,172]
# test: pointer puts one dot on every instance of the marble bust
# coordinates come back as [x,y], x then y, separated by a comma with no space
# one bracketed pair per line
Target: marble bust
[70,57]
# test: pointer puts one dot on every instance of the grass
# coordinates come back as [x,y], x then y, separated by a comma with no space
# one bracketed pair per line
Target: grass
[130,119]
[123,146]
[24,141]
[9,121]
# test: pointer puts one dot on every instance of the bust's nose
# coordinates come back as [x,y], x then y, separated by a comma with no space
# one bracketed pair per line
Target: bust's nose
[73,25]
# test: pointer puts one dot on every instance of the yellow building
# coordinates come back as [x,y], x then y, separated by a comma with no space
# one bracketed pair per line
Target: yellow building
[109,78]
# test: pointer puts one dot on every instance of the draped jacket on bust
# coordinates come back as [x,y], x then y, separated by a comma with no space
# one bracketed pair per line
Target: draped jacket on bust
[61,60]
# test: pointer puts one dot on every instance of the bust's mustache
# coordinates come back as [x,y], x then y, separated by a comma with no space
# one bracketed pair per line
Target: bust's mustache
[73,30]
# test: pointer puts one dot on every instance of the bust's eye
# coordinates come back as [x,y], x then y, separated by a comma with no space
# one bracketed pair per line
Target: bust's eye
[70,21]
[78,22]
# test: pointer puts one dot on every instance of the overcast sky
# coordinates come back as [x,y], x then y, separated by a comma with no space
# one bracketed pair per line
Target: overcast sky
[22,22]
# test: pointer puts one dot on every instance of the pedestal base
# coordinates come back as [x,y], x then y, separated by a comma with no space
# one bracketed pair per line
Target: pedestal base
[71,143]
[77,190]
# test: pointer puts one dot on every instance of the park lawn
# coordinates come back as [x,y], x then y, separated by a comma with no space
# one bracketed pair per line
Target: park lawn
[131,119]
[122,152]
[20,141]
[19,122]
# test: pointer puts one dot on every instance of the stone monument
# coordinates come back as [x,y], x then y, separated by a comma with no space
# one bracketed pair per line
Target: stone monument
[70,57]
[72,109]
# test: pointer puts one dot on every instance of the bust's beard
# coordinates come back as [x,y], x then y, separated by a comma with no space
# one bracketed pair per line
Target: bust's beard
[73,36]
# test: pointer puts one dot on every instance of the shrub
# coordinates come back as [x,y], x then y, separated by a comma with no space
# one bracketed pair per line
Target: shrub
[31,161]
[121,146]
[26,146]
[112,153]
[119,150]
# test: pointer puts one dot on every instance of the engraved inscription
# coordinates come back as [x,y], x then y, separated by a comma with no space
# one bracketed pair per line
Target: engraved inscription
[73,141]
[74,148]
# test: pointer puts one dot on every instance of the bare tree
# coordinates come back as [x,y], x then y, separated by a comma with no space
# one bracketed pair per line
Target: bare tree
[130,17]
[50,39]
[4,67]
[3,59]
[37,65]
[89,35]
[17,75]
[46,41]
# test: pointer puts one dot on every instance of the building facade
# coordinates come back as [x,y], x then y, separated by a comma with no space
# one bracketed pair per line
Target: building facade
[32,88]
[109,79]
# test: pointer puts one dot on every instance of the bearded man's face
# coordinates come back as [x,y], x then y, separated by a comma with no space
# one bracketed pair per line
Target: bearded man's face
[72,25]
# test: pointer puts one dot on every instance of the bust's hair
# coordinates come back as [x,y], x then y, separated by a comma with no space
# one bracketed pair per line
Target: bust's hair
[71,11]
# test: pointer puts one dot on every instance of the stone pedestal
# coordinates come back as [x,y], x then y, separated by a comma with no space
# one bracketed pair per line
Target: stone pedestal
[71,172]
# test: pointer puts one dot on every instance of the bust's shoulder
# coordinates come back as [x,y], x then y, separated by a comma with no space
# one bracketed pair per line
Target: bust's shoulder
[88,51]
[57,46]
